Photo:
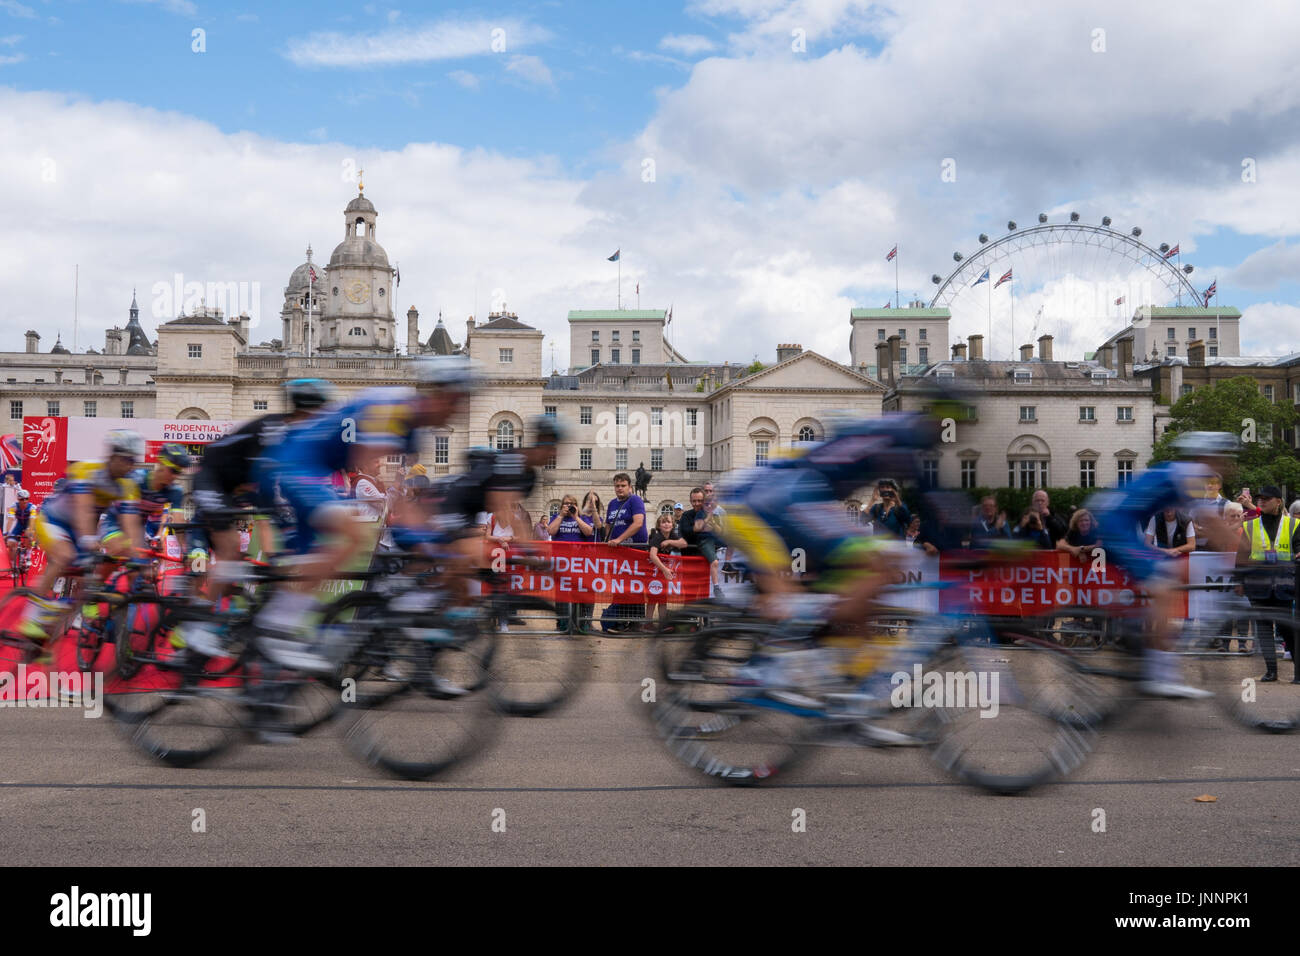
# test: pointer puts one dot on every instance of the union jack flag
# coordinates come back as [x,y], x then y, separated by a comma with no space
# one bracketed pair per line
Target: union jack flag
[1171,253]
[1211,291]
[311,271]
[1119,301]
[1005,278]
[892,252]
[11,453]
[983,278]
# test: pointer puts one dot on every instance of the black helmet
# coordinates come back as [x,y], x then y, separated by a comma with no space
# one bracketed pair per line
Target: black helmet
[309,393]
[547,430]
[174,457]
[418,484]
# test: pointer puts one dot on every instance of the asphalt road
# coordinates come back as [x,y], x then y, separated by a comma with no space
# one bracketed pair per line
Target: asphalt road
[591,785]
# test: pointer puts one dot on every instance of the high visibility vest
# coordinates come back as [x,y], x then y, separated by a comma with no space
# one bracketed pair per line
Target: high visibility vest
[1259,543]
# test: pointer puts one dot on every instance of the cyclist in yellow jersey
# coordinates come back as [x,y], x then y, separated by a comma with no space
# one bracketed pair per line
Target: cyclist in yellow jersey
[65,527]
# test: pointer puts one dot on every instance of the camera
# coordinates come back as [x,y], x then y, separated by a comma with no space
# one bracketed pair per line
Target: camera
[571,510]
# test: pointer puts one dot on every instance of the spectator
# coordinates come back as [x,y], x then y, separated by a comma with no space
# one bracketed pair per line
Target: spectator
[1171,533]
[1081,538]
[889,515]
[594,513]
[1251,510]
[571,525]
[1033,530]
[1055,527]
[1269,540]
[677,520]
[1233,515]
[370,492]
[694,531]
[990,524]
[664,540]
[626,519]
[1294,510]
[913,533]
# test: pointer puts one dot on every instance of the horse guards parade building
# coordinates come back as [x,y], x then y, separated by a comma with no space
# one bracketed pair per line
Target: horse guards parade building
[630,399]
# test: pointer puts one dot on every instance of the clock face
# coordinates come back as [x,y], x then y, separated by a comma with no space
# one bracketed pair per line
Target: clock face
[358,291]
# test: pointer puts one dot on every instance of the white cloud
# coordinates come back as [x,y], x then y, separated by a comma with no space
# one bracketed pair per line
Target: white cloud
[12,40]
[464,78]
[1270,328]
[16,9]
[6,60]
[531,69]
[448,40]
[687,44]
[183,7]
[1265,268]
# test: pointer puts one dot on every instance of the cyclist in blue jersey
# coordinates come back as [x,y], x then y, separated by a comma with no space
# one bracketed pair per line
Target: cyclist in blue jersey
[1177,484]
[160,493]
[380,421]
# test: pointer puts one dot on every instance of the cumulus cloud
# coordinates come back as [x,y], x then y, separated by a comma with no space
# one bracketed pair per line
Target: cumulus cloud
[16,9]
[530,69]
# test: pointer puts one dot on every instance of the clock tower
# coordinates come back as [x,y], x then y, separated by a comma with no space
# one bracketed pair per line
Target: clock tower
[356,294]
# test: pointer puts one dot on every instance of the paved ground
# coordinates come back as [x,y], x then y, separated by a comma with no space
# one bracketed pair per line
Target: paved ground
[592,786]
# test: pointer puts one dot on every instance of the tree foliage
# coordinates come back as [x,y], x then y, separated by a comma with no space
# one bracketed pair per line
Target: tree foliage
[1238,407]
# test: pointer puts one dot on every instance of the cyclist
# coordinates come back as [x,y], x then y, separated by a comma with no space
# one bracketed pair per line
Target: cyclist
[160,493]
[383,420]
[65,526]
[1171,484]
[18,521]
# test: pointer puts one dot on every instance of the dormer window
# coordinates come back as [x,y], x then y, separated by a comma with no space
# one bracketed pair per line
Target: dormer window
[946,373]
[1022,376]
[356,330]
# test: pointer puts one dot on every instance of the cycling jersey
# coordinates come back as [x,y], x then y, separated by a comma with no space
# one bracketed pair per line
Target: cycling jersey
[1176,484]
[487,471]
[233,460]
[91,478]
[20,516]
[155,502]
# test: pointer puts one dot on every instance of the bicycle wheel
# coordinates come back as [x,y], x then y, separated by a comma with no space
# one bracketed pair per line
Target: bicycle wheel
[191,726]
[1229,659]
[1107,653]
[432,723]
[712,720]
[368,675]
[1006,718]
[536,668]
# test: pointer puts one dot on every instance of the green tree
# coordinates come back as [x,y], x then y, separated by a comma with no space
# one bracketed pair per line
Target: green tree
[754,366]
[1237,406]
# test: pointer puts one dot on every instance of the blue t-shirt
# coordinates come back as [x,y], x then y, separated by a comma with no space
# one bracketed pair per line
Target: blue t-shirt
[568,530]
[620,515]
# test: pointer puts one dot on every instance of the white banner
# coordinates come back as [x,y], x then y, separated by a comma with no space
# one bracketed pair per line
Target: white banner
[86,435]
[1210,567]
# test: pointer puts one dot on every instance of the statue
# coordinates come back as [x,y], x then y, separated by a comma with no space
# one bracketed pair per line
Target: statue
[642,479]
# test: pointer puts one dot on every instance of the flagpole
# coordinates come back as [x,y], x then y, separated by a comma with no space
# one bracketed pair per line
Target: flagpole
[1012,294]
[896,275]
[990,284]
[620,277]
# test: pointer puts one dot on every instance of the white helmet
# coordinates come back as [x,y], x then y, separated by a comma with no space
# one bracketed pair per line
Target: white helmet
[123,441]
[449,371]
[23,494]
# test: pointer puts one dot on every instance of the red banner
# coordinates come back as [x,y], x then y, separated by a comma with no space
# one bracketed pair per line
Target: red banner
[1038,582]
[45,454]
[573,573]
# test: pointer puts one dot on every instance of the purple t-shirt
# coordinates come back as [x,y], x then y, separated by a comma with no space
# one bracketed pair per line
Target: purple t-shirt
[568,530]
[620,517]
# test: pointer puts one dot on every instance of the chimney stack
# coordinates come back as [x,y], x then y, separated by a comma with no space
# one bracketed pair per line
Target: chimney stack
[895,359]
[976,347]
[1125,363]
[412,331]
[1106,356]
[726,372]
[1026,353]
[33,341]
[113,342]
[882,362]
[1045,348]
[244,323]
[784,352]
[1196,353]
[959,352]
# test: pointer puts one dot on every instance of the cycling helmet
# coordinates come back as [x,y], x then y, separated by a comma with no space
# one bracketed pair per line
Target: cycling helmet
[547,430]
[124,442]
[446,371]
[309,393]
[1206,445]
[23,494]
[174,457]
[418,484]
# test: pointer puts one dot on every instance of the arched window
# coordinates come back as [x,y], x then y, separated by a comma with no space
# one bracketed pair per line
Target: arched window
[356,330]
[807,434]
[505,436]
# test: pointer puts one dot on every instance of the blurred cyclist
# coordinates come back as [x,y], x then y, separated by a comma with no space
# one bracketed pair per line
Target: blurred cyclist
[160,492]
[19,520]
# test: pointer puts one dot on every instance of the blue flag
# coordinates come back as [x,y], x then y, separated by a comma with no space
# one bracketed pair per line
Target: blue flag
[614,257]
[983,278]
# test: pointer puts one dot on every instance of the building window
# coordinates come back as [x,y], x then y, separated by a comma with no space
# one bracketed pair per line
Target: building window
[880,335]
[930,473]
[550,461]
[441,449]
[1214,334]
[692,462]
[656,459]
[902,334]
[505,355]
[505,436]
[1028,473]
[614,337]
[261,405]
[1125,472]
[1029,413]
[1171,350]
[1191,334]
[551,411]
[656,416]
[902,356]
[1172,335]
[807,434]
[1087,473]
[923,356]
[620,414]
[760,452]
[1087,413]
[15,409]
[595,335]
[636,356]
[584,459]
[52,409]
[595,356]
[196,350]
[1214,351]
[1124,413]
[90,409]
[128,409]
[1186,390]
[692,417]
[921,336]
[620,459]
[356,330]
[394,459]
[636,335]
[1023,376]
[584,415]
[968,473]
[615,356]
[1268,394]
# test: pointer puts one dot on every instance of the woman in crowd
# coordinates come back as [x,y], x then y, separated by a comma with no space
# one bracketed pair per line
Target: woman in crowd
[593,510]
[1081,539]
[569,525]
[663,540]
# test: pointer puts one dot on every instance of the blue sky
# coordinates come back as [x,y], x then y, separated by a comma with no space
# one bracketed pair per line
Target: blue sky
[784,169]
